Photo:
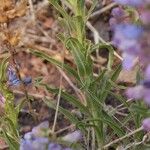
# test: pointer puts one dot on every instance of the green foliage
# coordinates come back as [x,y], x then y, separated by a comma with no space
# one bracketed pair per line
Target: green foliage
[97,117]
[70,98]
[9,120]
[96,89]
[97,120]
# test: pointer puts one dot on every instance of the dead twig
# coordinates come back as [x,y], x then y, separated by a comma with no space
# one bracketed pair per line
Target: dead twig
[104,9]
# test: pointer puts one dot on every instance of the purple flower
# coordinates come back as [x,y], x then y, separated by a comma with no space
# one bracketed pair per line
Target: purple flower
[147,73]
[147,2]
[146,124]
[118,12]
[53,146]
[140,92]
[146,83]
[127,38]
[129,31]
[73,137]
[135,92]
[13,79]
[34,144]
[38,130]
[128,61]
[133,3]
[145,17]
[133,40]
[112,22]
[36,139]
[27,80]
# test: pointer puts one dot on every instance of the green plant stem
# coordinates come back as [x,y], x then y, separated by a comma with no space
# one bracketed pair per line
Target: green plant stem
[95,110]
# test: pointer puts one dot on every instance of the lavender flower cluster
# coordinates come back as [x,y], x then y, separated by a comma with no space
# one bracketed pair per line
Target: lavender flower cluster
[37,140]
[132,38]
[13,79]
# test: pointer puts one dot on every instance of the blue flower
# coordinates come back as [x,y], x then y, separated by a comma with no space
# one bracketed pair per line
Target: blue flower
[129,31]
[118,12]
[133,3]
[126,38]
[146,124]
[27,80]
[53,146]
[34,144]
[31,142]
[12,77]
[13,80]
[35,140]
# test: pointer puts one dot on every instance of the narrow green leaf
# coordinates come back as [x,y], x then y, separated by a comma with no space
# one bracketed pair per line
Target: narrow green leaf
[67,68]
[59,8]
[77,50]
[105,117]
[114,124]
[107,85]
[116,73]
[3,67]
[10,141]
[63,111]
[120,98]
[12,127]
[99,78]
[76,102]
[91,9]
[80,8]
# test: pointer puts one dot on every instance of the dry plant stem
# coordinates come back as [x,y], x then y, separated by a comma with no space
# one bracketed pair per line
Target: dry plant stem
[122,138]
[96,34]
[87,140]
[41,39]
[58,100]
[64,129]
[122,125]
[77,91]
[137,143]
[13,56]
[47,50]
[121,114]
[104,9]
[51,40]
[119,106]
[57,106]
[4,147]
[41,48]
[93,139]
[32,10]
[4,55]
[37,96]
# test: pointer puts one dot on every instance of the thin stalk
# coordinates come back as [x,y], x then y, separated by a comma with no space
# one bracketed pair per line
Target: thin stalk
[95,110]
[57,106]
[122,138]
